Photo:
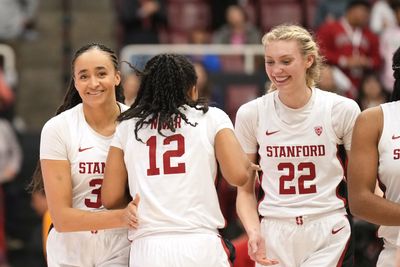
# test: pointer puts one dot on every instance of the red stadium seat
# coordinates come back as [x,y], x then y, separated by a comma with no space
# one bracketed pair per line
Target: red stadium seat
[311,6]
[237,95]
[274,12]
[232,63]
[188,15]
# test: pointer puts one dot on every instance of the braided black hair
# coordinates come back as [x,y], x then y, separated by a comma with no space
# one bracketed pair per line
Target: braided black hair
[72,98]
[164,90]
[396,74]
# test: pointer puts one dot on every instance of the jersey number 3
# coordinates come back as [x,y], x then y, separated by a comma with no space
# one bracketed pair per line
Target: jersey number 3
[290,167]
[166,157]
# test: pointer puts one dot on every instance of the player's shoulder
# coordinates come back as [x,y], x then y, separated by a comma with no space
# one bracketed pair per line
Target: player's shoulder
[339,101]
[122,107]
[391,105]
[250,108]
[371,118]
[60,120]
[198,113]
[388,110]
[214,111]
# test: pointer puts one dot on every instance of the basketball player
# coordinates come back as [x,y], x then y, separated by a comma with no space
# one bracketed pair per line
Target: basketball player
[73,150]
[167,147]
[295,129]
[376,153]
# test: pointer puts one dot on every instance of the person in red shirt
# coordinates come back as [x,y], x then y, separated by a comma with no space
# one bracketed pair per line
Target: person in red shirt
[350,44]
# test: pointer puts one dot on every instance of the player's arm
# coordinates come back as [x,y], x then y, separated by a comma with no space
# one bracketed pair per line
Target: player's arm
[246,203]
[246,206]
[234,164]
[114,189]
[363,172]
[65,218]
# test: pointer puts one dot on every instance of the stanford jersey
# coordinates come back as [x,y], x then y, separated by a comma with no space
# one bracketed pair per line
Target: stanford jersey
[389,163]
[301,170]
[174,174]
[69,137]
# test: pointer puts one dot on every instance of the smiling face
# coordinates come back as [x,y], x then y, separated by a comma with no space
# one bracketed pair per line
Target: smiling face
[285,66]
[95,77]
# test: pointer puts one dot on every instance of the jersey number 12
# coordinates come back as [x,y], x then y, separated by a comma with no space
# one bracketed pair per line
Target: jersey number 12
[167,155]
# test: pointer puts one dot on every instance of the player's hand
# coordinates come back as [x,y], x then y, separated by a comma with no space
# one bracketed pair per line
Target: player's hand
[255,167]
[257,251]
[397,260]
[8,174]
[131,212]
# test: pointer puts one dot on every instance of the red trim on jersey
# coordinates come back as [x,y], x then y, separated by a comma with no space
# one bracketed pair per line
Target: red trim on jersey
[344,164]
[260,190]
[339,196]
[217,185]
[228,253]
[340,262]
[344,167]
[260,193]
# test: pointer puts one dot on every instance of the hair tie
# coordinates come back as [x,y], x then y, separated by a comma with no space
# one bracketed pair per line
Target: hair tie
[395,67]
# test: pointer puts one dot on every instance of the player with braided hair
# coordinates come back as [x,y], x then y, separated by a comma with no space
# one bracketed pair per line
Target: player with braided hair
[166,148]
[375,154]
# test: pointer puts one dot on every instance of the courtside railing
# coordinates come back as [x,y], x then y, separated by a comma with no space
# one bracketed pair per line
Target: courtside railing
[249,52]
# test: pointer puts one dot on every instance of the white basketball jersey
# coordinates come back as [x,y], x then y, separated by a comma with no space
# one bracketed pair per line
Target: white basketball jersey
[69,137]
[389,162]
[174,174]
[301,170]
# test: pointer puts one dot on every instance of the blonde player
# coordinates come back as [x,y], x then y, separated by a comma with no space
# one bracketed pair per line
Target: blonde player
[296,130]
[73,149]
[167,147]
[376,154]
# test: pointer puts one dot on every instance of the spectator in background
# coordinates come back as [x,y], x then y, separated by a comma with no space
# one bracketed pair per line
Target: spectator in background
[237,30]
[207,89]
[10,163]
[371,92]
[202,84]
[6,98]
[17,18]
[389,42]
[38,239]
[210,62]
[382,16]
[332,79]
[218,9]
[36,247]
[140,20]
[350,44]
[329,11]
[130,84]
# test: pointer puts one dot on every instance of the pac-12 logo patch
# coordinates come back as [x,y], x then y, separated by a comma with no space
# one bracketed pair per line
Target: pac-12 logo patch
[318,130]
